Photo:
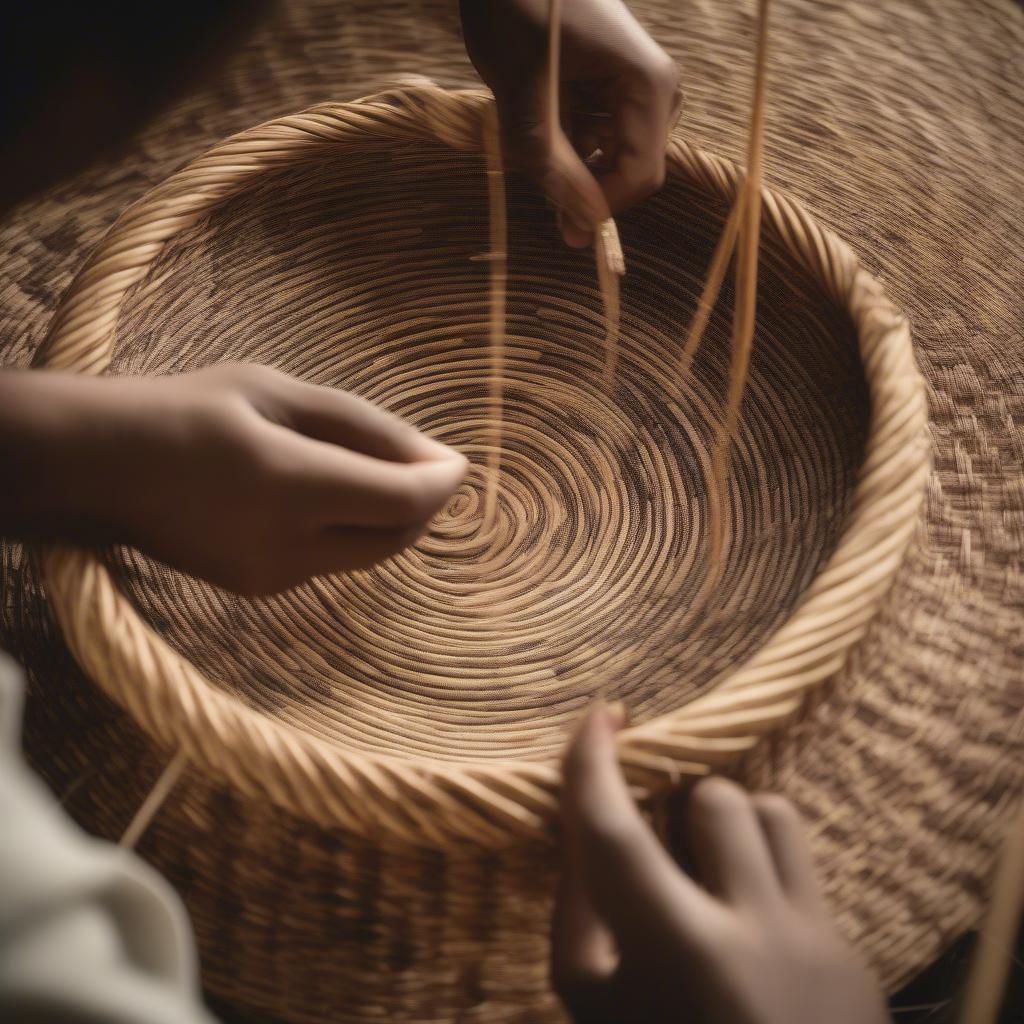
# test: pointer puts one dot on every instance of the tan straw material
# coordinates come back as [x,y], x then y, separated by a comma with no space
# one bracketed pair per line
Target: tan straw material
[898,123]
[563,590]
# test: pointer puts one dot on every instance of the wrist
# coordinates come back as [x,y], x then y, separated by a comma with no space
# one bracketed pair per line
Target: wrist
[62,439]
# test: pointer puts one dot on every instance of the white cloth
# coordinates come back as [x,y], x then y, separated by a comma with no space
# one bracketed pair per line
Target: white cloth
[88,932]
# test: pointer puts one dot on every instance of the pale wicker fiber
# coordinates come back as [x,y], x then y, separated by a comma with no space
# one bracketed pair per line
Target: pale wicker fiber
[452,673]
[428,700]
[897,122]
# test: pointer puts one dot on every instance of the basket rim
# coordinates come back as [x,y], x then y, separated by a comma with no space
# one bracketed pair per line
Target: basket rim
[492,803]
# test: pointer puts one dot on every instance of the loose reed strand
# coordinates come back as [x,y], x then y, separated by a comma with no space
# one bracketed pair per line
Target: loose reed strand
[498,263]
[713,283]
[993,954]
[746,287]
[610,265]
[157,795]
[427,786]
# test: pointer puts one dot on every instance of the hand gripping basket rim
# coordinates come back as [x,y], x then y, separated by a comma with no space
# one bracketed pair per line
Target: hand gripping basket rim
[496,803]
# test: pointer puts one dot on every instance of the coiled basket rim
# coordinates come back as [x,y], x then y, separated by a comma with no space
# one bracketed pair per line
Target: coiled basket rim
[495,803]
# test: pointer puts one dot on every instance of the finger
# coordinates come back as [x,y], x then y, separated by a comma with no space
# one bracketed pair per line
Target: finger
[728,847]
[337,487]
[327,551]
[330,414]
[554,166]
[644,108]
[583,952]
[790,851]
[342,550]
[632,882]
[574,190]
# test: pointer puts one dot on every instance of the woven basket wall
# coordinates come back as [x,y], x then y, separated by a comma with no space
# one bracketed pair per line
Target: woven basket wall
[366,826]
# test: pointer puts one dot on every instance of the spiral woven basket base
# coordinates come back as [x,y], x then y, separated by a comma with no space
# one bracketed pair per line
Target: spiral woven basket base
[903,775]
[423,705]
[366,274]
[369,270]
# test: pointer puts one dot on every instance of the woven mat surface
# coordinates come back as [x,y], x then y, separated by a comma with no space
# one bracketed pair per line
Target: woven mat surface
[901,125]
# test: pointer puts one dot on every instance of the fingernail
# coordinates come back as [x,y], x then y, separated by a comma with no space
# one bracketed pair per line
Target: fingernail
[446,473]
[616,713]
[438,450]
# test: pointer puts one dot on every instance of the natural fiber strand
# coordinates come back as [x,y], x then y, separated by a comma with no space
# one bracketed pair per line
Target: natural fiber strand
[724,250]
[749,222]
[607,252]
[151,805]
[970,589]
[993,955]
[608,255]
[498,288]
[342,743]
[610,267]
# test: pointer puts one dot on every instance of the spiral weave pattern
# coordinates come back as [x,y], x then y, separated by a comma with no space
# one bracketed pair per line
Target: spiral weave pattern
[428,699]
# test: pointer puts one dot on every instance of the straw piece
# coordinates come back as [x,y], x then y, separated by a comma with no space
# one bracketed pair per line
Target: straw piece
[498,287]
[377,690]
[724,249]
[749,220]
[151,805]
[608,256]
[610,266]
[993,954]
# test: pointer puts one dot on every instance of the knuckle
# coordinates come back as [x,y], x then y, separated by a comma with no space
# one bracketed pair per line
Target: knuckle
[248,379]
[662,74]
[236,427]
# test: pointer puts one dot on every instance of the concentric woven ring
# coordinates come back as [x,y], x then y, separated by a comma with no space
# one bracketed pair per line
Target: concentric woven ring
[489,803]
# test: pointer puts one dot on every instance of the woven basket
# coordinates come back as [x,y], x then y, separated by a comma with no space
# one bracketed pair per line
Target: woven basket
[396,732]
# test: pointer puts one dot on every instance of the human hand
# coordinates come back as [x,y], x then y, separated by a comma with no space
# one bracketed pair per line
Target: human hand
[635,939]
[237,474]
[620,95]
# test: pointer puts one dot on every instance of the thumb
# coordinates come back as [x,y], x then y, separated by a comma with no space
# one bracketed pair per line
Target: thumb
[653,909]
[553,165]
[575,192]
[583,952]
[341,487]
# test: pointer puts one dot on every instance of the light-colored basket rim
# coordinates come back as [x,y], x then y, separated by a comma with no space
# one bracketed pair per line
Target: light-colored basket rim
[492,803]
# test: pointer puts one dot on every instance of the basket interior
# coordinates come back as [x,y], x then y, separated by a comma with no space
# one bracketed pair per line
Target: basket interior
[369,272]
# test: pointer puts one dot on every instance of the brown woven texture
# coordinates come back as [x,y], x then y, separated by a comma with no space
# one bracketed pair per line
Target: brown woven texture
[903,771]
